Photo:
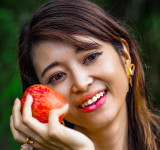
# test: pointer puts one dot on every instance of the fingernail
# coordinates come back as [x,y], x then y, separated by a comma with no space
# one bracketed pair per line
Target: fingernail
[28,96]
[16,101]
[66,106]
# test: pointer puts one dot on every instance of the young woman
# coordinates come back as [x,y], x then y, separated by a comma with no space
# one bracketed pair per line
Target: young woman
[82,53]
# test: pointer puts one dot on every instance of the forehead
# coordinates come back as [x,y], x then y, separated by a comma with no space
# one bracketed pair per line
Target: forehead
[78,43]
[54,45]
[47,52]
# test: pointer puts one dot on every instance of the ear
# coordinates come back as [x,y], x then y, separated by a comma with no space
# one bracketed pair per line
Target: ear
[126,56]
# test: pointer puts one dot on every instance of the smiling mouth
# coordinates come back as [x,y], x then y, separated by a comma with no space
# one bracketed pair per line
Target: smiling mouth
[92,100]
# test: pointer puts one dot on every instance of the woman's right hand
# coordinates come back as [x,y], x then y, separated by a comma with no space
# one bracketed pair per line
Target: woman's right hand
[50,136]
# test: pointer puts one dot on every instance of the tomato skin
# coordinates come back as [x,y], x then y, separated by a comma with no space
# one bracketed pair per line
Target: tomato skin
[44,100]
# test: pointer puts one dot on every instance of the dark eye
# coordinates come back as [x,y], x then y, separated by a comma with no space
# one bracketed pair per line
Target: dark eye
[92,57]
[57,77]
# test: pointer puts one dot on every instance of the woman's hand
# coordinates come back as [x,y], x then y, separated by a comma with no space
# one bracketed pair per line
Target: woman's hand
[50,136]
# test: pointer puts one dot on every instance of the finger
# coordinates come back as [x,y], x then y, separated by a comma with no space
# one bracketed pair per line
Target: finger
[31,122]
[39,128]
[18,136]
[16,110]
[18,124]
[27,106]
[54,126]
[24,131]
[17,117]
[55,114]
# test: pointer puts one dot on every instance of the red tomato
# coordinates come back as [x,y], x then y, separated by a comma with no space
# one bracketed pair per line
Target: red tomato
[44,100]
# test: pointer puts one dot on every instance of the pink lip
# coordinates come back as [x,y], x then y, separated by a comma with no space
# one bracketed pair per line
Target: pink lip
[94,106]
[89,96]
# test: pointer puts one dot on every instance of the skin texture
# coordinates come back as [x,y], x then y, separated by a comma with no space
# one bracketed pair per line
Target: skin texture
[80,76]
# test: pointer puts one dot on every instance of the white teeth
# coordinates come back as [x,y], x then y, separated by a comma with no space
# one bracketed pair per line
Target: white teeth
[101,94]
[89,101]
[94,99]
[98,95]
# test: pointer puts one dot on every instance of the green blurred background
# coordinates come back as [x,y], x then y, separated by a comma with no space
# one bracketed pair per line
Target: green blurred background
[142,16]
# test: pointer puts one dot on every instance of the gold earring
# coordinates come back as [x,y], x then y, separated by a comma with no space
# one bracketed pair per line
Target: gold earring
[130,72]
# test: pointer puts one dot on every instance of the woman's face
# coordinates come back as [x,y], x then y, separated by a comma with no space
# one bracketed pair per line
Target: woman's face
[79,75]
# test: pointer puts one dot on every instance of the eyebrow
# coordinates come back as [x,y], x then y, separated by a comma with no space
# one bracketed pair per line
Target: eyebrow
[86,46]
[49,67]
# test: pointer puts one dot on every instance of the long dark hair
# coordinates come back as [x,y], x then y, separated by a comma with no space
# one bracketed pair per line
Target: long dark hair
[61,20]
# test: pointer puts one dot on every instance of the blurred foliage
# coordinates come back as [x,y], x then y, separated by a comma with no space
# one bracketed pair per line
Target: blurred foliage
[143,17]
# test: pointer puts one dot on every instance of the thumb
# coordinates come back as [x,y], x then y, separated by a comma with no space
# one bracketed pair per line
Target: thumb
[56,114]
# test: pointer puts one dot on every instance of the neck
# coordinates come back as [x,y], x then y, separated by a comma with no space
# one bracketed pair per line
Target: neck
[110,137]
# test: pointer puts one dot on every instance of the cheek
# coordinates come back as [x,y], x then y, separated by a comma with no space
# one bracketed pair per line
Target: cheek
[64,89]
[113,73]
[111,69]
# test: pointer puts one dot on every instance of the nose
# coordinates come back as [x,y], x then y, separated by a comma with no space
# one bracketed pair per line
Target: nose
[81,80]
